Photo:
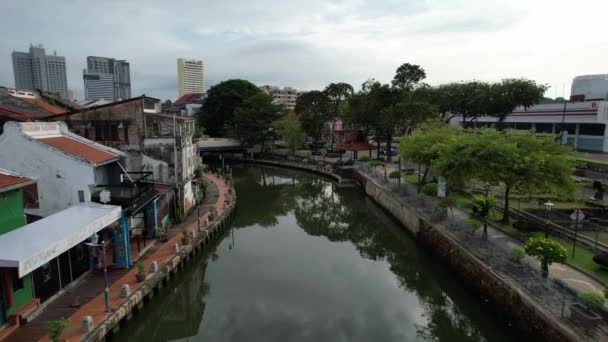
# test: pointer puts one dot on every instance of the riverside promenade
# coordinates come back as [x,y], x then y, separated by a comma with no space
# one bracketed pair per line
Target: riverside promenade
[89,292]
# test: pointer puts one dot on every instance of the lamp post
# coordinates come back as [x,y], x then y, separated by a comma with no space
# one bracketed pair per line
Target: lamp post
[487,188]
[106,290]
[548,206]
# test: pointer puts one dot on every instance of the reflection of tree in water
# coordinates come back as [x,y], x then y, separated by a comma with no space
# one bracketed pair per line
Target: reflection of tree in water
[274,190]
[344,215]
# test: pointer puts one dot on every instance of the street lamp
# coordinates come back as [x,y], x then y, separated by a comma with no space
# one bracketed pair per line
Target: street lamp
[548,206]
[487,188]
[106,292]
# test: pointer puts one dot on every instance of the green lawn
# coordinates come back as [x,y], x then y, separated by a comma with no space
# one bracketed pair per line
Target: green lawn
[411,178]
[583,257]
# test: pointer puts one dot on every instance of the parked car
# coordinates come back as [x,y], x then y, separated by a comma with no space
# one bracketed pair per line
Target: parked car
[393,152]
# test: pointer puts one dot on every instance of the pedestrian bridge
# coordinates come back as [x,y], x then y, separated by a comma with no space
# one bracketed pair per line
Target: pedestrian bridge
[220,145]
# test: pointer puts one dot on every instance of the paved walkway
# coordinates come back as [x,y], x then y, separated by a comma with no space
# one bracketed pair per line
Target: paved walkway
[90,291]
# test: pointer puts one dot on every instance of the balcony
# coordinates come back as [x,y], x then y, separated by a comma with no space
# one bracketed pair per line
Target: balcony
[134,192]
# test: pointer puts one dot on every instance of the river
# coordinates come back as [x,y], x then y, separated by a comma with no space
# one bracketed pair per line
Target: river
[304,260]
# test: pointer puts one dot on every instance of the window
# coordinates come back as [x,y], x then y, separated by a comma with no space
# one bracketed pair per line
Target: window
[80,195]
[570,128]
[523,125]
[16,281]
[591,129]
[544,127]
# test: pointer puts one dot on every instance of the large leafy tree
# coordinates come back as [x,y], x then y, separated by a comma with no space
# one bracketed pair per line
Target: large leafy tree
[313,109]
[290,129]
[520,162]
[337,93]
[218,111]
[509,94]
[254,118]
[425,144]
[408,76]
[469,100]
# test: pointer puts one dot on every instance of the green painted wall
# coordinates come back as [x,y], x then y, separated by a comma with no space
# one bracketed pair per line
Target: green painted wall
[12,217]
[23,296]
[11,211]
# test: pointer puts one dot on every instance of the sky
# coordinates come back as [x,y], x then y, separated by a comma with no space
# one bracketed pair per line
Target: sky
[308,44]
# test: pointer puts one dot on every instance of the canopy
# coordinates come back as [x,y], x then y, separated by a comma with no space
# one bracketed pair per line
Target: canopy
[35,244]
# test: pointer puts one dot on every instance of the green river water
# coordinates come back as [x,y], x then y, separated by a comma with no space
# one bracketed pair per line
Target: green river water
[304,260]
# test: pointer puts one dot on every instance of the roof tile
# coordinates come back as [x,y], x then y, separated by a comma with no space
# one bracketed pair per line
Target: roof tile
[79,149]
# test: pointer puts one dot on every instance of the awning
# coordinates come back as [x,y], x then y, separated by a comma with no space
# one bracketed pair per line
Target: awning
[35,244]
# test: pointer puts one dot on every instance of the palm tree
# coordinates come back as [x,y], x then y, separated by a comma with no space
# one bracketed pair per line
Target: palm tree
[482,205]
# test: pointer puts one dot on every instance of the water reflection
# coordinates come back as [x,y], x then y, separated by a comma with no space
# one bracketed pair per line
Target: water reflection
[306,261]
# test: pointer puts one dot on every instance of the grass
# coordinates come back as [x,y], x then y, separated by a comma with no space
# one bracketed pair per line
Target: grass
[411,178]
[583,257]
[303,153]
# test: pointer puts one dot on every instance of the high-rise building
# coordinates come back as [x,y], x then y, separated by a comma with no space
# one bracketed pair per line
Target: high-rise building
[284,96]
[590,87]
[37,70]
[190,76]
[106,78]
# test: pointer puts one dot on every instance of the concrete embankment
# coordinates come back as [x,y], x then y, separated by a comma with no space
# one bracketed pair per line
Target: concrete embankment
[508,301]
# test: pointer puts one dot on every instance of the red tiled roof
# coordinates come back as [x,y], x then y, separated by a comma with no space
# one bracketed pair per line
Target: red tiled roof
[42,104]
[79,149]
[187,98]
[21,113]
[10,181]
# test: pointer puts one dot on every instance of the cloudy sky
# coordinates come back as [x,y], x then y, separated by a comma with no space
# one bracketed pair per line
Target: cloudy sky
[307,44]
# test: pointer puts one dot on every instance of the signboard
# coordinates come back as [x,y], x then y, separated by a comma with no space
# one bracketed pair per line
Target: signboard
[441,187]
[577,215]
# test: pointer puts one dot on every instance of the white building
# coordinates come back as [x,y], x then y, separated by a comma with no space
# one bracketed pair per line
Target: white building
[590,87]
[67,166]
[286,97]
[583,123]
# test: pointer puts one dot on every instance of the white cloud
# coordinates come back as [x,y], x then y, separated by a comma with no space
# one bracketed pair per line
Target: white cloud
[308,44]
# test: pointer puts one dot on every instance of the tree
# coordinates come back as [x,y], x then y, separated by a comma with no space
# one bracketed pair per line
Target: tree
[518,161]
[254,118]
[337,93]
[469,100]
[482,206]
[313,109]
[218,111]
[424,145]
[408,76]
[290,129]
[546,251]
[509,94]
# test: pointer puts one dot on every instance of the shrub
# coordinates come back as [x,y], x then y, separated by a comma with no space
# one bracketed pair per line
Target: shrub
[546,251]
[55,329]
[430,189]
[525,226]
[141,268]
[472,224]
[394,174]
[364,159]
[517,254]
[592,299]
[374,163]
[601,259]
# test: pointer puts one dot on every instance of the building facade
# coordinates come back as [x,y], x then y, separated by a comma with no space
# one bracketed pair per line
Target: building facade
[190,76]
[107,78]
[590,87]
[16,293]
[149,138]
[37,70]
[286,97]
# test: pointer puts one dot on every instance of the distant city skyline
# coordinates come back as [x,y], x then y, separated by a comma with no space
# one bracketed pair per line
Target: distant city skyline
[36,70]
[190,76]
[106,78]
[318,42]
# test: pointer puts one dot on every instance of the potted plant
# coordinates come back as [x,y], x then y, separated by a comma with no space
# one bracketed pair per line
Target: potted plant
[546,251]
[185,237]
[141,272]
[584,313]
[55,329]
[515,261]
